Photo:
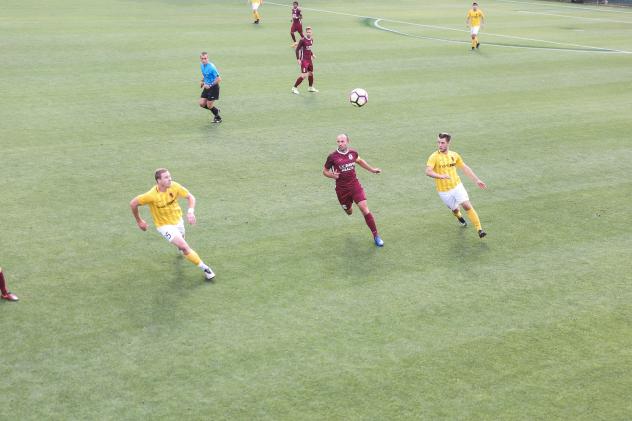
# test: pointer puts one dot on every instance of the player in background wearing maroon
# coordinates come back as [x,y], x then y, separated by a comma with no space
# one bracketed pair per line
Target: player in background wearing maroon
[5,294]
[340,166]
[297,26]
[304,56]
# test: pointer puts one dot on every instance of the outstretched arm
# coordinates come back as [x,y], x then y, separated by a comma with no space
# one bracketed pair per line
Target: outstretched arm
[361,162]
[468,171]
[139,221]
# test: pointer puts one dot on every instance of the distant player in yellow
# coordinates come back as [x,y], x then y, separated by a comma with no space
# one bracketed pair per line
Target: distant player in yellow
[162,200]
[475,19]
[255,9]
[442,167]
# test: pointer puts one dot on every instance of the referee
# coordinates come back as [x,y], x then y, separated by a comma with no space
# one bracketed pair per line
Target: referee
[210,83]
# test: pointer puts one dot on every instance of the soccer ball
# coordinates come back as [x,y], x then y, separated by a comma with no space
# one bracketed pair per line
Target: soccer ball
[358,97]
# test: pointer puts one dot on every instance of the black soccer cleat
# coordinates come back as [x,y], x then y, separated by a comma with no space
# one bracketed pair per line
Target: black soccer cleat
[256,22]
[478,44]
[217,120]
[462,221]
[481,233]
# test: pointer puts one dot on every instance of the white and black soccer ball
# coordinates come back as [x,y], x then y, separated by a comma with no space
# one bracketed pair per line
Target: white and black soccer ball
[359,97]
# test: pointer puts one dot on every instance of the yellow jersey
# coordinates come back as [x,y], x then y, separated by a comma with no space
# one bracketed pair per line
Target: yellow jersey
[475,17]
[164,206]
[445,163]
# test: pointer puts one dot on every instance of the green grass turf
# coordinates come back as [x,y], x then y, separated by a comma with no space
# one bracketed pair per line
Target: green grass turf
[307,319]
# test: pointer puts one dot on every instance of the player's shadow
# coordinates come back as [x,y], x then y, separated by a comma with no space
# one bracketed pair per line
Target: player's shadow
[466,246]
[184,281]
[359,252]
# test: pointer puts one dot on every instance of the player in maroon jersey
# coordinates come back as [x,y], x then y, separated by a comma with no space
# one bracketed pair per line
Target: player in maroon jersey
[297,26]
[4,293]
[304,56]
[340,166]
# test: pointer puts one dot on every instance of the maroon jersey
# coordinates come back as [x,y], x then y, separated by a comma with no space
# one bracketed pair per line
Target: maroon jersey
[343,163]
[296,15]
[304,49]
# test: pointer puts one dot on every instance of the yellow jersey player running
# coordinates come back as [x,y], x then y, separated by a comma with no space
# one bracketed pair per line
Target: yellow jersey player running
[255,9]
[162,200]
[442,167]
[475,19]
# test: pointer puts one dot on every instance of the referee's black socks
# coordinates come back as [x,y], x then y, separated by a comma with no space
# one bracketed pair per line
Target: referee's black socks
[215,111]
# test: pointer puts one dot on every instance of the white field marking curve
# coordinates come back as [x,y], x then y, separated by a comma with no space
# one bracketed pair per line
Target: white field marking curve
[602,9]
[578,47]
[575,17]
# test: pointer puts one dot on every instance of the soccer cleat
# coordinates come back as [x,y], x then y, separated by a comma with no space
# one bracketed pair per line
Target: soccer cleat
[481,233]
[9,297]
[312,89]
[472,48]
[378,241]
[295,91]
[217,119]
[256,22]
[209,274]
[462,221]
[478,44]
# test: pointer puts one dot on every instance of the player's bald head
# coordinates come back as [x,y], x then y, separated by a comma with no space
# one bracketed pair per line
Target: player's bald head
[343,136]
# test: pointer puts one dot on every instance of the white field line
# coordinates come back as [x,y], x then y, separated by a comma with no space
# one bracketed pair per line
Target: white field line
[603,9]
[447,28]
[586,50]
[575,17]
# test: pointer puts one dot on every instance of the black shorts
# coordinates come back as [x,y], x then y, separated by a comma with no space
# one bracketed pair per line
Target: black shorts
[211,93]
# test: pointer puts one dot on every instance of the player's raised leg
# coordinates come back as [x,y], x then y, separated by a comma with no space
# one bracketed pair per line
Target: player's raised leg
[299,80]
[192,256]
[457,214]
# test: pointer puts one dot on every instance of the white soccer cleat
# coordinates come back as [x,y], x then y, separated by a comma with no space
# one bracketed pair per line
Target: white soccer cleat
[295,91]
[209,274]
[312,89]
[9,297]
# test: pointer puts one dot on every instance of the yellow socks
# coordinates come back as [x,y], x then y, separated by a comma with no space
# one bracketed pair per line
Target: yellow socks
[256,15]
[474,219]
[457,214]
[193,257]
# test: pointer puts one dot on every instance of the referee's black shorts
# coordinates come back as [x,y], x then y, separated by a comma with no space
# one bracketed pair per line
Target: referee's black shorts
[211,93]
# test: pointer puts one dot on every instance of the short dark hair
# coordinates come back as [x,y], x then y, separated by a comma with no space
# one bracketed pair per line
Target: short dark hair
[159,172]
[203,53]
[474,4]
[296,3]
[446,136]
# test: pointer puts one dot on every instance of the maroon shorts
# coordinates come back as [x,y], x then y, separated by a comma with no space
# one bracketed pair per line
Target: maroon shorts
[296,27]
[307,66]
[348,195]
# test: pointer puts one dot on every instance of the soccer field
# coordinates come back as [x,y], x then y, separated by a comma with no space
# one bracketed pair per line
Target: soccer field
[307,319]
